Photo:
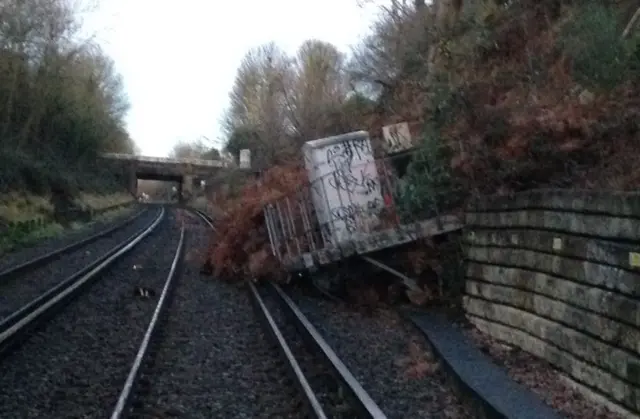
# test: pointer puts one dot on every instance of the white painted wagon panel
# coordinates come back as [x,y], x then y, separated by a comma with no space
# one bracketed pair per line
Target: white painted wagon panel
[345,185]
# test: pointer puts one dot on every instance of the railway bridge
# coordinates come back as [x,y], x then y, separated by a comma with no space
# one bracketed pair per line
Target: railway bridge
[185,171]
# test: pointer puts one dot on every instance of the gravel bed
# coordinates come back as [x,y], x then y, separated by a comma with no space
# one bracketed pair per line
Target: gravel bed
[387,356]
[75,366]
[24,288]
[213,359]
[50,244]
[542,378]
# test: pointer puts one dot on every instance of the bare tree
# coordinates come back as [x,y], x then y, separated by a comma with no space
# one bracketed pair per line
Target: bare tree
[319,87]
[279,102]
[400,36]
[258,102]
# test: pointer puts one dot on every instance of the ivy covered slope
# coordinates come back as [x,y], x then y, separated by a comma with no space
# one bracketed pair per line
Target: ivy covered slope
[61,103]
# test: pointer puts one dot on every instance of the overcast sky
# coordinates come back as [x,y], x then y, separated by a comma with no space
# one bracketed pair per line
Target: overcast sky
[179,59]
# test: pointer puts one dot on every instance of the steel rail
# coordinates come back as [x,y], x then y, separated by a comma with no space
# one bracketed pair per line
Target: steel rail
[41,260]
[14,328]
[120,411]
[361,399]
[358,395]
[205,217]
[315,408]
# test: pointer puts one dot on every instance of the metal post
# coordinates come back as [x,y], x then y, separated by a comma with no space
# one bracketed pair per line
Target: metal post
[292,225]
[270,230]
[306,222]
[393,209]
[274,228]
[284,232]
[327,211]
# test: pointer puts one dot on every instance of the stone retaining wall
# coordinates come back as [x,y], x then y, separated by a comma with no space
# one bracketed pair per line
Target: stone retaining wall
[557,273]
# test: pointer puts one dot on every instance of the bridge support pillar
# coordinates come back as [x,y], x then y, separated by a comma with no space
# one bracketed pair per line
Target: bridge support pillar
[186,188]
[133,183]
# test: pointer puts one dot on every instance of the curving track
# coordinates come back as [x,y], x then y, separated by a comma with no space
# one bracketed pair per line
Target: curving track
[67,365]
[237,370]
[192,349]
[26,279]
[30,300]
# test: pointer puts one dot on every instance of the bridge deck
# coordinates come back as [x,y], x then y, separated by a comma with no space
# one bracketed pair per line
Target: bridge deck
[170,161]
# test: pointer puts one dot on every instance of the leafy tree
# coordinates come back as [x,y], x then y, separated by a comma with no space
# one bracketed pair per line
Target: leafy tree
[397,39]
[61,100]
[244,138]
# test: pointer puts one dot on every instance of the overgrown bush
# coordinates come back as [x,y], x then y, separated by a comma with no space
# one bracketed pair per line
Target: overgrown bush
[61,101]
[599,55]
[513,95]
[239,248]
[428,189]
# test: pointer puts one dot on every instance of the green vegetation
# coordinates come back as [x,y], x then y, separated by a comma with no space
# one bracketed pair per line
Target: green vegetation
[15,239]
[508,96]
[601,57]
[428,189]
[31,219]
[61,102]
[517,95]
[511,96]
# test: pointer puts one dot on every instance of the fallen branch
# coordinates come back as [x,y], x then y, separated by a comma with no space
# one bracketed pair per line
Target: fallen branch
[631,24]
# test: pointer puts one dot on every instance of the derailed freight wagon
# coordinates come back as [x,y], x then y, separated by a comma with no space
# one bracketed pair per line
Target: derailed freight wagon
[347,209]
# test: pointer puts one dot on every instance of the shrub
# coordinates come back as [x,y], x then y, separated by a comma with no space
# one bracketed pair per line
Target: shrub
[592,40]
[428,188]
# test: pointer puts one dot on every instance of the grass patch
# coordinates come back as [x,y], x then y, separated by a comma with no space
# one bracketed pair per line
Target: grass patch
[16,208]
[110,215]
[95,202]
[14,242]
[20,207]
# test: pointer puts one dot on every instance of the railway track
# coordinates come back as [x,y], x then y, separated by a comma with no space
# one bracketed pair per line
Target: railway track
[106,354]
[89,344]
[225,367]
[293,373]
[24,281]
[310,378]
[23,267]
[328,387]
[126,394]
[48,296]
